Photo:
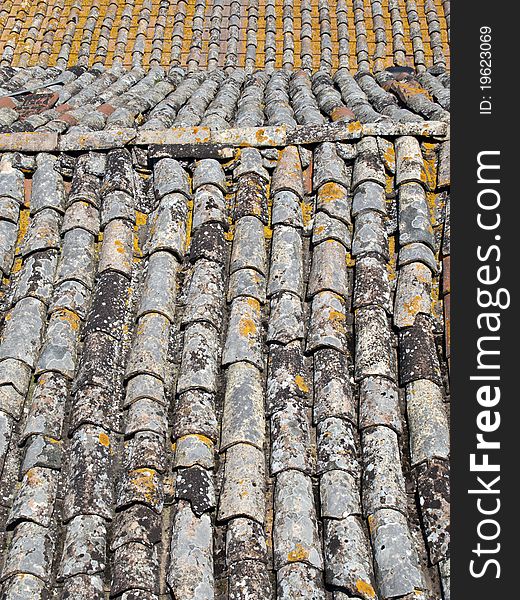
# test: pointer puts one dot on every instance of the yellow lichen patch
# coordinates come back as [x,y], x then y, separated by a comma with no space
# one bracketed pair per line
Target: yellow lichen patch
[137,250]
[23,224]
[350,260]
[335,315]
[432,199]
[389,155]
[268,232]
[254,304]
[189,221]
[140,218]
[146,481]
[300,383]
[120,247]
[299,553]
[202,438]
[391,266]
[69,317]
[413,306]
[389,184]
[104,440]
[230,234]
[17,265]
[331,191]
[370,522]
[365,588]
[33,478]
[307,209]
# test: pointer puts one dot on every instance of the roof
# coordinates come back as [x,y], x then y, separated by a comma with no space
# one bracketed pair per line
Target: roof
[224,308]
[254,33]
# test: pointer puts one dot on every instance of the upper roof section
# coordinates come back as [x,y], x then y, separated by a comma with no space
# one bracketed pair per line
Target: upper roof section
[310,34]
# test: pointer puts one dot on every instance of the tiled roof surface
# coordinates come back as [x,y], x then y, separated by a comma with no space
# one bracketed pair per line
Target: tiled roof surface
[250,33]
[224,325]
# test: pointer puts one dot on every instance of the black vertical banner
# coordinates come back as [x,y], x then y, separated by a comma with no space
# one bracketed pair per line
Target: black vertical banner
[485,360]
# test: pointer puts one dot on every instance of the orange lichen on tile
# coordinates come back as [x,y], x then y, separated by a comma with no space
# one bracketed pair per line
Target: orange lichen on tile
[17,16]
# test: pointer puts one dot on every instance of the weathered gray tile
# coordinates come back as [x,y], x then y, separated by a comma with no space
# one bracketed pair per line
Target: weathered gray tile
[150,346]
[43,232]
[84,548]
[418,357]
[59,350]
[249,579]
[427,421]
[195,449]
[327,228]
[369,196]
[23,330]
[89,489]
[295,530]
[328,322]
[413,294]
[34,500]
[36,276]
[249,246]
[348,560]
[137,523]
[204,299]
[374,352]
[409,160]
[141,486]
[383,480]
[379,403]
[340,495]
[286,270]
[245,540]
[333,198]
[190,572]
[243,341]
[200,358]
[368,166]
[168,226]
[247,282]
[337,446]
[333,395]
[370,235]
[329,269]
[299,581]
[169,177]
[243,492]
[286,209]
[414,216]
[286,319]
[291,440]
[395,557]
[433,489]
[328,166]
[195,413]
[30,551]
[243,419]
[78,258]
[135,566]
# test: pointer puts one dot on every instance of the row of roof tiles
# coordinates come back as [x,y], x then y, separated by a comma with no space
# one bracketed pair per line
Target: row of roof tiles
[80,100]
[309,34]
